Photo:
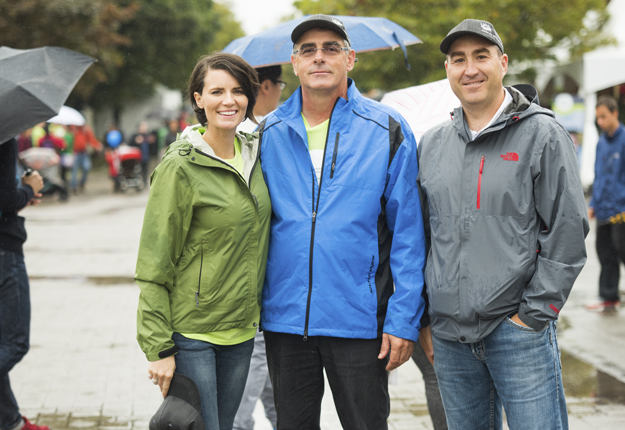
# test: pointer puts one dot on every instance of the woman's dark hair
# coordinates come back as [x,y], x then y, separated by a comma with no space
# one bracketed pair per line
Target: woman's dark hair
[237,67]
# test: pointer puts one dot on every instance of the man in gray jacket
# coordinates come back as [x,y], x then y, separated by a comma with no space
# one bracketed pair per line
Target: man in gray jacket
[507,221]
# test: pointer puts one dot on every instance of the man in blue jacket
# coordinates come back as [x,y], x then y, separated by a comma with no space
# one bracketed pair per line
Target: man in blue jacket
[608,203]
[346,254]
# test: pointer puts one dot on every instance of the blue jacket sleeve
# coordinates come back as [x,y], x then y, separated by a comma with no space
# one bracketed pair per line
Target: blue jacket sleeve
[404,218]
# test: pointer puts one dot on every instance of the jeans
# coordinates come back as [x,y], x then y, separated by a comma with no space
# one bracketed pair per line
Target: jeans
[357,378]
[14,329]
[432,393]
[515,367]
[219,371]
[258,385]
[610,249]
[83,162]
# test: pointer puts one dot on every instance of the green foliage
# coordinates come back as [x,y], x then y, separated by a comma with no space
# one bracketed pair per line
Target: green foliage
[529,29]
[89,27]
[166,39]
[137,42]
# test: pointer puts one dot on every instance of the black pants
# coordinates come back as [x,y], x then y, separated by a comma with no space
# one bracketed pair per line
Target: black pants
[358,380]
[610,249]
[432,393]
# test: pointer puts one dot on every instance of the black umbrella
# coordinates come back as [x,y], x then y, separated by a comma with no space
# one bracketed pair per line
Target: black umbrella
[34,84]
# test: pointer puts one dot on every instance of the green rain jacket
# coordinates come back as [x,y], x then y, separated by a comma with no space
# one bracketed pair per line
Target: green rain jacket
[203,248]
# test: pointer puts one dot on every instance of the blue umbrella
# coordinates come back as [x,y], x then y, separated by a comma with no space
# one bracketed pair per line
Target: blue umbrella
[274,46]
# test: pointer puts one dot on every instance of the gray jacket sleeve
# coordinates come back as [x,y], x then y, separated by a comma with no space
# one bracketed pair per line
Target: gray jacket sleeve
[561,252]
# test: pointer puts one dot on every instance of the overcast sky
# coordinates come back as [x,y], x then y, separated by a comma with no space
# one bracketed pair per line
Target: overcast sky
[258,15]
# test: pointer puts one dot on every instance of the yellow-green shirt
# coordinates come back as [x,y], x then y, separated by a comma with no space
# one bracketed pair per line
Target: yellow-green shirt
[316,144]
[232,336]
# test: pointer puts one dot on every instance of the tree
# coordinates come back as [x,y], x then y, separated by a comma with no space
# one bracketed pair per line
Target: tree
[166,39]
[137,42]
[530,30]
[87,27]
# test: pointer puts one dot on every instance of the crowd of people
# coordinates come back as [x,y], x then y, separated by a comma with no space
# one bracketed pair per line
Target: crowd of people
[323,224]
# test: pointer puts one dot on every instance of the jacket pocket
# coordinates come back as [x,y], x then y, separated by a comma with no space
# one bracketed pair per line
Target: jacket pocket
[336,150]
[199,283]
[479,182]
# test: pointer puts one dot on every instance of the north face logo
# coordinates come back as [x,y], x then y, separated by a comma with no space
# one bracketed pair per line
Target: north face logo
[510,156]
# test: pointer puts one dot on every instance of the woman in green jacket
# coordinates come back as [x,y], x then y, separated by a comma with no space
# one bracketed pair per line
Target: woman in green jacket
[203,249]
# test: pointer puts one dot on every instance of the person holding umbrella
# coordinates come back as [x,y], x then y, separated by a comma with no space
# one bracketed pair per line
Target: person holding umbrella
[203,249]
[347,250]
[15,194]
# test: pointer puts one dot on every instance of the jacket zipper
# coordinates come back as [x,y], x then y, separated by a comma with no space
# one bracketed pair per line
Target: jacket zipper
[199,284]
[336,149]
[314,221]
[479,182]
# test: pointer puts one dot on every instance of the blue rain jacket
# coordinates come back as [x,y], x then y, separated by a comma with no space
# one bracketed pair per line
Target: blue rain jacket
[608,190]
[337,246]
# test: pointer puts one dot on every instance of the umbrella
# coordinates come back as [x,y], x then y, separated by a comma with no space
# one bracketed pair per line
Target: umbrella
[274,46]
[423,106]
[34,84]
[39,158]
[68,116]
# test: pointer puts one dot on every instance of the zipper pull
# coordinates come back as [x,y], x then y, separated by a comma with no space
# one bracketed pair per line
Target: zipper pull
[314,217]
[332,171]
[255,201]
[306,336]
[197,299]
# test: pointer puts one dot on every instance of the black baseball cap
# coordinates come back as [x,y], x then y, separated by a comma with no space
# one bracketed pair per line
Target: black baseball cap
[320,21]
[474,27]
[181,409]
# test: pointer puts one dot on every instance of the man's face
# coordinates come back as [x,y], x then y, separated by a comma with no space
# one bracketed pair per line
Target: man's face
[608,121]
[475,71]
[272,92]
[322,71]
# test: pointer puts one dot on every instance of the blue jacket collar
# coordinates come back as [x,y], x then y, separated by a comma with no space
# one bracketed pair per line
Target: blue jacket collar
[291,110]
[616,134]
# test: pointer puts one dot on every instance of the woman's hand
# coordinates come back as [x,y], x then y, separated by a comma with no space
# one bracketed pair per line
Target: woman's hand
[161,372]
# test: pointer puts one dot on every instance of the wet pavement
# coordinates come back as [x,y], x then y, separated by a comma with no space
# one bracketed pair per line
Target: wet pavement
[85,370]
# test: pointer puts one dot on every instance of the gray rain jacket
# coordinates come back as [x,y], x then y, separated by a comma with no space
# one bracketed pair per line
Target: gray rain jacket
[507,220]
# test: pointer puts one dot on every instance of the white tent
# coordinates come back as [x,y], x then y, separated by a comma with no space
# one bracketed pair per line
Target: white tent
[603,68]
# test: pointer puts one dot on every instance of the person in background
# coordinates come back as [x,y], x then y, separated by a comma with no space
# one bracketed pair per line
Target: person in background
[607,204]
[83,138]
[204,241]
[142,140]
[37,132]
[506,220]
[258,385]
[347,249]
[15,194]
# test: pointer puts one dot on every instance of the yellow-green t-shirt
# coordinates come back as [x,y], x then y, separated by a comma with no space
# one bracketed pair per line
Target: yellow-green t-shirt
[316,144]
[232,336]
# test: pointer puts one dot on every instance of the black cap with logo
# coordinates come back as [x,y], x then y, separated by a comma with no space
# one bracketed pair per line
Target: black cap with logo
[472,27]
[181,409]
[320,21]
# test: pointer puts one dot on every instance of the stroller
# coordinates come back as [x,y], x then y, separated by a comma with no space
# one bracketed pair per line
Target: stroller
[46,162]
[125,168]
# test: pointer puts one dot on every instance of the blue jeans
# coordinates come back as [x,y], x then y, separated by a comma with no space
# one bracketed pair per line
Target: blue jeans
[14,329]
[220,372]
[515,367]
[82,161]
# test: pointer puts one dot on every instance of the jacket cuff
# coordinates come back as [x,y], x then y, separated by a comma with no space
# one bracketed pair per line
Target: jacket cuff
[400,328]
[155,356]
[530,321]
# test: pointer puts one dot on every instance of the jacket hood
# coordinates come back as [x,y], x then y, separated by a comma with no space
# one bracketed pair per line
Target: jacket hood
[193,135]
[524,104]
